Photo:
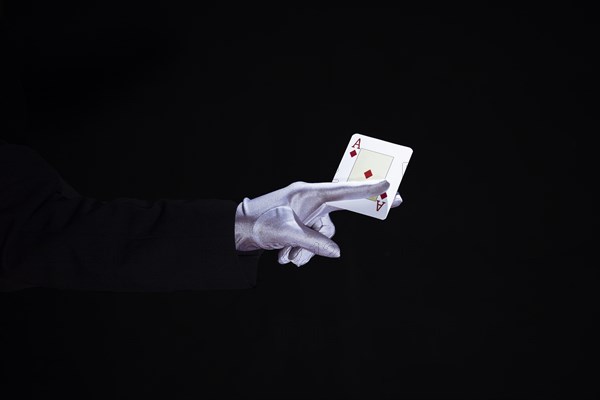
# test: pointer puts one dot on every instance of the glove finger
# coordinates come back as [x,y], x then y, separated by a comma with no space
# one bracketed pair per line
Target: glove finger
[324,226]
[289,253]
[308,238]
[282,256]
[333,191]
[317,243]
[303,257]
[397,200]
[294,252]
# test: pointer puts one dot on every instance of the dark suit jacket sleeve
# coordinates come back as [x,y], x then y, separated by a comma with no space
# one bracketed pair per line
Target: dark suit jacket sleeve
[52,237]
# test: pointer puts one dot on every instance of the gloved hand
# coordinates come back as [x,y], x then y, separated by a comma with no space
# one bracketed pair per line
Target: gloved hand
[295,219]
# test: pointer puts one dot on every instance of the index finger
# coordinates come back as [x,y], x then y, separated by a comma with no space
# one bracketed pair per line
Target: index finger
[352,190]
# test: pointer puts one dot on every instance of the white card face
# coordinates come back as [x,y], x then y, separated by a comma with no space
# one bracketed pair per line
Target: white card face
[368,158]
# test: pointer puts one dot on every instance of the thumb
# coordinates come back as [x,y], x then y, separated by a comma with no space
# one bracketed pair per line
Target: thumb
[314,242]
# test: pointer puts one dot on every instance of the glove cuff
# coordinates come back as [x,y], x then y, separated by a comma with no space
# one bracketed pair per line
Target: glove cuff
[243,228]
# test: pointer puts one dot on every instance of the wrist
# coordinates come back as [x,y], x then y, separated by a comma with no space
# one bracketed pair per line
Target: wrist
[243,229]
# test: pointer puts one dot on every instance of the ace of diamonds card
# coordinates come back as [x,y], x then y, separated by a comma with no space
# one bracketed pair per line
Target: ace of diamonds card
[368,158]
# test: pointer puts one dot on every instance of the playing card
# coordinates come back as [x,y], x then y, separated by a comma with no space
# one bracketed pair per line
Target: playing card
[369,158]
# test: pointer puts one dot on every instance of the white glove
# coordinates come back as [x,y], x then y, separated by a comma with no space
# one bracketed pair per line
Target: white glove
[295,219]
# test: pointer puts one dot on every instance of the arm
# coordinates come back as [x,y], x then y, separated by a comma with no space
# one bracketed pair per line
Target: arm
[51,237]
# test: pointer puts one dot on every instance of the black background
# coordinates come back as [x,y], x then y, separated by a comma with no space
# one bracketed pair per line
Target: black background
[480,285]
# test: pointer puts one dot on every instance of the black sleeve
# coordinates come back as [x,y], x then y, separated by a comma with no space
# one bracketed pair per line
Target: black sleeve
[52,237]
